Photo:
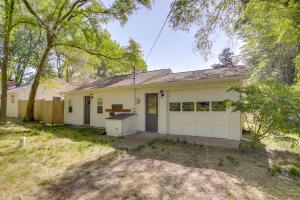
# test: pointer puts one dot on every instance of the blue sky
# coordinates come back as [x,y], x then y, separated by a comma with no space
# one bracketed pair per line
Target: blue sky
[174,49]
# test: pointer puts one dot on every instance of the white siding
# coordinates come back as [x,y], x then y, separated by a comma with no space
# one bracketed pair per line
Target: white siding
[12,108]
[208,124]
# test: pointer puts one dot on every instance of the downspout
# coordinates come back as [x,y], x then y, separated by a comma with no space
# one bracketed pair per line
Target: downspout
[134,91]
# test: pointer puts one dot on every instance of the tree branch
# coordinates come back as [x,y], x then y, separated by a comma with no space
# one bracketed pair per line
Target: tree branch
[30,9]
[89,52]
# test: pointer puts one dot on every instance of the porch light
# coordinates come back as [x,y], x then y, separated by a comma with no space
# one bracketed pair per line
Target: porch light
[161,92]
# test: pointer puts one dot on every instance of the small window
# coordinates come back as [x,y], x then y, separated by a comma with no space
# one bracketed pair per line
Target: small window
[218,106]
[12,99]
[175,106]
[188,106]
[100,105]
[202,106]
[117,106]
[70,106]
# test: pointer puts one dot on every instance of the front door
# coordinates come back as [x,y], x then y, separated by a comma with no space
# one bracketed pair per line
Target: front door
[87,109]
[152,112]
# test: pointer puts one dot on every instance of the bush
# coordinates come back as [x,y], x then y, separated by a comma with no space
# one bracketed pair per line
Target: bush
[293,170]
[274,169]
[274,108]
[233,160]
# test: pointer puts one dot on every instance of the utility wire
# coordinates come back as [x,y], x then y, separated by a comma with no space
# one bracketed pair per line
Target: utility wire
[162,28]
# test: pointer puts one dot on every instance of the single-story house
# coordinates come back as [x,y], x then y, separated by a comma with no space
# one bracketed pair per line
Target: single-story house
[46,90]
[185,103]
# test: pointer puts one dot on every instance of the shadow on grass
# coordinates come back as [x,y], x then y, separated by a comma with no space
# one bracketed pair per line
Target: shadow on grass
[177,171]
[74,133]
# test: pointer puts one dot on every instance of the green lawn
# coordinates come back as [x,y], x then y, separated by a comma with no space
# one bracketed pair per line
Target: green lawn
[61,162]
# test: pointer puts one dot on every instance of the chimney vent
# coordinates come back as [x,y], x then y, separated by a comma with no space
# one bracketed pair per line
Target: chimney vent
[11,84]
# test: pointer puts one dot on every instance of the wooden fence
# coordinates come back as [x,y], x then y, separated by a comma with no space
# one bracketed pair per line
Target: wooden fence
[49,112]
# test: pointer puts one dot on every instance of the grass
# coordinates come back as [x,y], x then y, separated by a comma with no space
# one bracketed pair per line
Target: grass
[48,152]
[63,162]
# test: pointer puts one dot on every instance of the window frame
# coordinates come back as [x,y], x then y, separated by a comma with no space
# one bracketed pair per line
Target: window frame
[99,105]
[175,103]
[70,106]
[13,99]
[209,106]
[186,102]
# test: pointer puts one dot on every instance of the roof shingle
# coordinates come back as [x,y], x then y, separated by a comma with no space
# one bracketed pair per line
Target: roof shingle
[165,76]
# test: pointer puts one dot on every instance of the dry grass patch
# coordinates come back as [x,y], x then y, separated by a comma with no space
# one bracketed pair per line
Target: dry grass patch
[61,162]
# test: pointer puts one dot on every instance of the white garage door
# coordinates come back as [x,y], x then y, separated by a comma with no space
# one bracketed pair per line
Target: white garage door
[195,123]
[199,124]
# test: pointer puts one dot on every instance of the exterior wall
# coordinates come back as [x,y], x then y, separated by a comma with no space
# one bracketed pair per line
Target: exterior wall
[12,108]
[210,124]
[114,96]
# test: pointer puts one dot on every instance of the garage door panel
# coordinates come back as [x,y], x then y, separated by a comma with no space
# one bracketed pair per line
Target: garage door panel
[203,119]
[203,130]
[220,119]
[220,131]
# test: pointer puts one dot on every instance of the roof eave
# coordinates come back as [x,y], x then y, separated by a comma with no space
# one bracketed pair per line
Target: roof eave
[186,82]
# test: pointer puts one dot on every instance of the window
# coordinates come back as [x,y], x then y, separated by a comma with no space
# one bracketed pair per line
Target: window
[218,106]
[175,106]
[117,106]
[188,106]
[100,105]
[70,106]
[202,106]
[12,99]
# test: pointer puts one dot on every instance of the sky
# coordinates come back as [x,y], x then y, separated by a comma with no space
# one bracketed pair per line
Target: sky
[174,49]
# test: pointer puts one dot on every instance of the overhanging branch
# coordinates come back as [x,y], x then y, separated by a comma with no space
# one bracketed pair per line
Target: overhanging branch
[90,52]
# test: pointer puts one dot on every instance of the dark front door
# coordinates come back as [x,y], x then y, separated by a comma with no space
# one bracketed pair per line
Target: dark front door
[87,109]
[152,112]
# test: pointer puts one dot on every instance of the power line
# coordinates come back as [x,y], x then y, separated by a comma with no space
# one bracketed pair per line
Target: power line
[162,28]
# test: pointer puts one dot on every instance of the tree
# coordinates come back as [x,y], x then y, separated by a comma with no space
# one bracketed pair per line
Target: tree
[209,16]
[274,110]
[260,23]
[74,24]
[226,59]
[26,46]
[8,22]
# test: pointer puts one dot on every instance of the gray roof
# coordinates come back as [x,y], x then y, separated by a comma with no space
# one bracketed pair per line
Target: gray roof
[223,72]
[125,80]
[165,76]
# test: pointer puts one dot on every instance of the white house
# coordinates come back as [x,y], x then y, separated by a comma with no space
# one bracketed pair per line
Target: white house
[46,90]
[185,103]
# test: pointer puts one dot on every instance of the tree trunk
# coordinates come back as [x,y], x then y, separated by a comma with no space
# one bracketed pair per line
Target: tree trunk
[40,70]
[9,8]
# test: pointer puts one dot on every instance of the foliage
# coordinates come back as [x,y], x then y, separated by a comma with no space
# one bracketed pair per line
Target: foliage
[293,170]
[209,17]
[226,59]
[26,46]
[274,169]
[270,31]
[274,110]
[271,39]
[77,25]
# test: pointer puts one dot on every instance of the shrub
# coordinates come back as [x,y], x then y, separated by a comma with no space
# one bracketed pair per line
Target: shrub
[233,160]
[274,108]
[220,163]
[293,170]
[275,169]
